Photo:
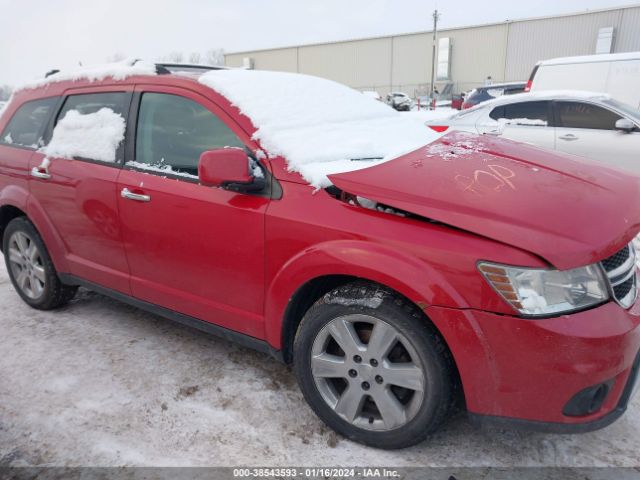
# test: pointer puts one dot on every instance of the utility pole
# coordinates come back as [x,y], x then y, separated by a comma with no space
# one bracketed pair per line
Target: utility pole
[433,52]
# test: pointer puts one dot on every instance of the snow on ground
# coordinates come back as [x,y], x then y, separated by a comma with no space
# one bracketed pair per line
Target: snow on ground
[101,383]
[320,126]
[93,135]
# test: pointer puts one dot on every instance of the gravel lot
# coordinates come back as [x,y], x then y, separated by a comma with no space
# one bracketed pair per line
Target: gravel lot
[101,383]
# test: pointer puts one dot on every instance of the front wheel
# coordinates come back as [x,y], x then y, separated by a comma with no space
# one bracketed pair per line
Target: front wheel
[373,368]
[30,267]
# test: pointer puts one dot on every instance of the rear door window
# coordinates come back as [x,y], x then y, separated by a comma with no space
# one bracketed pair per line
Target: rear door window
[585,115]
[523,113]
[26,127]
[87,103]
[88,134]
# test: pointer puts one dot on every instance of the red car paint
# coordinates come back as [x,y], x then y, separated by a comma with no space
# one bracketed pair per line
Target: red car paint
[237,260]
[486,186]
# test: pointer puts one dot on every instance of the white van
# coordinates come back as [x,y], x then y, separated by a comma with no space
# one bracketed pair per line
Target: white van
[617,74]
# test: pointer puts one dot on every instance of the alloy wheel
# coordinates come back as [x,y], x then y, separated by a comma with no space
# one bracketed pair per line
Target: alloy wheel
[368,372]
[26,264]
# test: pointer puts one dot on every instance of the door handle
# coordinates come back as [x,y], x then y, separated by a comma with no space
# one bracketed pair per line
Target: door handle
[495,133]
[41,173]
[568,137]
[138,197]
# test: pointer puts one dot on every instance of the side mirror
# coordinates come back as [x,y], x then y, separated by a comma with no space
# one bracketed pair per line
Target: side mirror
[625,125]
[223,166]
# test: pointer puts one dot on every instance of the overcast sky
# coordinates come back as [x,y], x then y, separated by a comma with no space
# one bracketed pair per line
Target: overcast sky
[38,35]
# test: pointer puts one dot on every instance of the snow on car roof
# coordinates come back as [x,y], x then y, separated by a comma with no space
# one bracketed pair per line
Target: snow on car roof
[95,73]
[544,95]
[505,84]
[319,126]
[609,57]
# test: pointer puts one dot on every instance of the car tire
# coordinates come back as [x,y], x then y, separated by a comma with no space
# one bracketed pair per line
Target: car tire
[373,368]
[30,268]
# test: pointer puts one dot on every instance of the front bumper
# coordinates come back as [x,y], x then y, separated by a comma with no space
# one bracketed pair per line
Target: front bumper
[524,372]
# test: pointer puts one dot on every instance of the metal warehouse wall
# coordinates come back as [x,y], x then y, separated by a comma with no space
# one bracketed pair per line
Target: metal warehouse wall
[534,40]
[505,51]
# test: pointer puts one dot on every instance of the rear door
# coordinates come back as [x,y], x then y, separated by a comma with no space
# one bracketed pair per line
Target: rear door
[78,195]
[192,249]
[588,130]
[528,122]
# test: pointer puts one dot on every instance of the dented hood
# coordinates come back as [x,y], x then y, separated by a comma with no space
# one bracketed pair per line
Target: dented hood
[567,210]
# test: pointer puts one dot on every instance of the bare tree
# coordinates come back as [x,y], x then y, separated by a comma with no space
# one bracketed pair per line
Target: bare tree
[5,92]
[214,56]
[116,57]
[194,58]
[176,57]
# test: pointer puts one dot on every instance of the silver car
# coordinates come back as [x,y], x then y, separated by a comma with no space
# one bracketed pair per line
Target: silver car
[588,124]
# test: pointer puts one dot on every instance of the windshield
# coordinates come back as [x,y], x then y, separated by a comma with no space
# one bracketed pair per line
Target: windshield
[318,126]
[628,110]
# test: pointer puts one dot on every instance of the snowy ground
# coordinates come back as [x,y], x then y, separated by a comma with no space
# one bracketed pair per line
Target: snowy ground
[101,383]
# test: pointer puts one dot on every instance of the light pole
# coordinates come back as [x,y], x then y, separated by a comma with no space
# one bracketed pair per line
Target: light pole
[433,52]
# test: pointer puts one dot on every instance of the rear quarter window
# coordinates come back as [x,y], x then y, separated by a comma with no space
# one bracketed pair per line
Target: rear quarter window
[26,127]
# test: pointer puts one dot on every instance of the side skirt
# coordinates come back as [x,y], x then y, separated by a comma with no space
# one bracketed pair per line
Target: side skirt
[210,328]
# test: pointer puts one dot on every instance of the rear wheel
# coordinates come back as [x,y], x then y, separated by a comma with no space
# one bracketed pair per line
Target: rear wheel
[373,368]
[30,267]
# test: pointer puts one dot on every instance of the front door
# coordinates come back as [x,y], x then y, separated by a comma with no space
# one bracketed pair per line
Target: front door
[193,249]
[589,130]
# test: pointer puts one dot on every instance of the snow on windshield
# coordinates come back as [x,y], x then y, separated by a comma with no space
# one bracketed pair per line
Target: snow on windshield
[95,136]
[95,73]
[319,126]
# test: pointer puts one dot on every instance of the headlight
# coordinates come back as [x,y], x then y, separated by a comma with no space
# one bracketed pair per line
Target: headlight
[538,292]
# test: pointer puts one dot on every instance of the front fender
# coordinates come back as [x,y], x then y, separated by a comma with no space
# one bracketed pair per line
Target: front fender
[402,272]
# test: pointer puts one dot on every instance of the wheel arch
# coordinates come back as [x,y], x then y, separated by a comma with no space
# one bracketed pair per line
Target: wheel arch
[318,270]
[18,202]
[7,213]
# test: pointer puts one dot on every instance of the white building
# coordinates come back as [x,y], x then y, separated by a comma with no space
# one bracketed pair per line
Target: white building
[504,51]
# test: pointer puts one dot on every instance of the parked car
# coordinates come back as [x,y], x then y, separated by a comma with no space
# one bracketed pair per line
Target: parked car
[617,74]
[400,101]
[456,101]
[472,271]
[489,92]
[591,125]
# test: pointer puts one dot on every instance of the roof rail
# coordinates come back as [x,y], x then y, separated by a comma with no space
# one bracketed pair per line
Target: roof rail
[51,72]
[166,68]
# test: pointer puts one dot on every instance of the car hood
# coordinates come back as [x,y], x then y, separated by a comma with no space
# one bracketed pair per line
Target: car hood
[568,210]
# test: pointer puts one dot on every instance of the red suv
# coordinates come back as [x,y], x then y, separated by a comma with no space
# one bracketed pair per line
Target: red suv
[470,272]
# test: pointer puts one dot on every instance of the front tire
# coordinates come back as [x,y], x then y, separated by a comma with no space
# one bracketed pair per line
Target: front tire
[30,268]
[373,368]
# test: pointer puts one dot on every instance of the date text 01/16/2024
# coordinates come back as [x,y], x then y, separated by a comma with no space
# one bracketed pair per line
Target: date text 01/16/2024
[322,472]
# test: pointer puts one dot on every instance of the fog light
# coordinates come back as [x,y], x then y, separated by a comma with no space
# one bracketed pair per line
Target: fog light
[588,401]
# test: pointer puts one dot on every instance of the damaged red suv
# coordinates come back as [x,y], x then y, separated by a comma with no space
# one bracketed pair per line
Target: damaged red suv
[403,274]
